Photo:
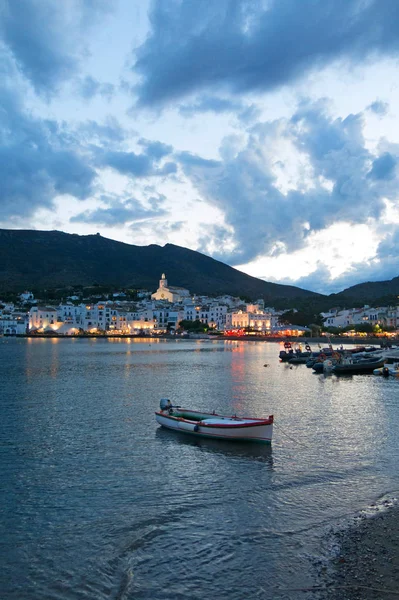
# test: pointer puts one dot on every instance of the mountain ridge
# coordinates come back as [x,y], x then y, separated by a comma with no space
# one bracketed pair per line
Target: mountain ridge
[49,259]
[60,259]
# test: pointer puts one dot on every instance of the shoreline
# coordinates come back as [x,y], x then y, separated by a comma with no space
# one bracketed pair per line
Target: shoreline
[366,566]
[324,340]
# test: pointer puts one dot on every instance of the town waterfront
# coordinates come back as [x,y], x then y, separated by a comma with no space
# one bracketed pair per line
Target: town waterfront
[98,502]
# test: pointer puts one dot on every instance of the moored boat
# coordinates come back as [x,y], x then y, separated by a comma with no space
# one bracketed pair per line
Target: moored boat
[299,360]
[388,370]
[351,366]
[324,363]
[213,425]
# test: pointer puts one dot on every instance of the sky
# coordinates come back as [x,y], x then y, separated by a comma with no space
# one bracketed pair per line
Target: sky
[262,133]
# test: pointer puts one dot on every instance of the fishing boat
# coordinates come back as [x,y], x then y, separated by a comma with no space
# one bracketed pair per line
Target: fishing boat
[213,425]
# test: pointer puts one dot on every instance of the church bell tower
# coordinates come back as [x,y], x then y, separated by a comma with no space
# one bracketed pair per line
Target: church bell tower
[163,282]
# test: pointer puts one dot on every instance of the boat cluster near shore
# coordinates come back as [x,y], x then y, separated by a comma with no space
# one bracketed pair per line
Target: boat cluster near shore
[341,361]
[344,361]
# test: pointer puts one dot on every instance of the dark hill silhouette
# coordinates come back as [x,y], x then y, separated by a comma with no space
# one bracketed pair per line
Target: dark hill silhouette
[51,259]
[371,290]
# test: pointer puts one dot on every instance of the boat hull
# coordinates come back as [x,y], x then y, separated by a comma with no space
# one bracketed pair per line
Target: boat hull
[220,427]
[387,371]
[357,368]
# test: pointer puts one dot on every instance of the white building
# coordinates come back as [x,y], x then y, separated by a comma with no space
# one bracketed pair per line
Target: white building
[357,316]
[14,324]
[213,314]
[258,321]
[26,297]
[389,317]
[8,307]
[341,318]
[44,318]
[168,318]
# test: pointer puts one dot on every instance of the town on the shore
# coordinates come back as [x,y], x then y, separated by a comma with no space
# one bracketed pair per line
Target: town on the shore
[167,310]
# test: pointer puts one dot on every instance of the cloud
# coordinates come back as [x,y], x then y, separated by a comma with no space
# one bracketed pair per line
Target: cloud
[379,108]
[122,212]
[378,268]
[42,159]
[217,105]
[383,167]
[210,104]
[253,46]
[161,229]
[188,160]
[319,281]
[155,150]
[134,165]
[336,182]
[103,133]
[146,164]
[89,87]
[47,39]
[371,270]
[39,160]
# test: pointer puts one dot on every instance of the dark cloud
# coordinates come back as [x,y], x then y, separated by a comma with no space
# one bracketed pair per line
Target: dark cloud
[156,150]
[379,107]
[383,167]
[388,248]
[169,168]
[127,163]
[39,160]
[42,159]
[187,159]
[46,39]
[249,46]
[122,212]
[134,165]
[148,163]
[259,218]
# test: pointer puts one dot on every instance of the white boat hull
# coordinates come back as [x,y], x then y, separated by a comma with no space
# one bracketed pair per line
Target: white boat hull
[220,427]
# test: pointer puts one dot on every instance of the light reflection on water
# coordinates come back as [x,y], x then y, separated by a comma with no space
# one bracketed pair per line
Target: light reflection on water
[97,501]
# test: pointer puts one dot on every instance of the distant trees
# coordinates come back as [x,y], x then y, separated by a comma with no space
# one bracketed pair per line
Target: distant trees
[314,330]
[194,326]
[364,328]
[302,317]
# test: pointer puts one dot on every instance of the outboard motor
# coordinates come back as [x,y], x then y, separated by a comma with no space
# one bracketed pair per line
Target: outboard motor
[165,404]
[385,372]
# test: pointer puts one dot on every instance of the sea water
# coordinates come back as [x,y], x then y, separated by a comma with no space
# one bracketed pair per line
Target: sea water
[99,502]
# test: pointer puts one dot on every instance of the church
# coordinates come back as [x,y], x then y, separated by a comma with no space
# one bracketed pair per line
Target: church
[169,293]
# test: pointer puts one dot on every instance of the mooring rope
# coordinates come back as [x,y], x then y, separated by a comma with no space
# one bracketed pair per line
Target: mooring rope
[289,437]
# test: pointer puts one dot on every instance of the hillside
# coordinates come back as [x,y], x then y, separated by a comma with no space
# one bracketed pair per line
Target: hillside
[51,259]
[370,291]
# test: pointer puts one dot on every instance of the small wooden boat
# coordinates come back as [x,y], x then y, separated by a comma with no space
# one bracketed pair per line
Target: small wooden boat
[213,425]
